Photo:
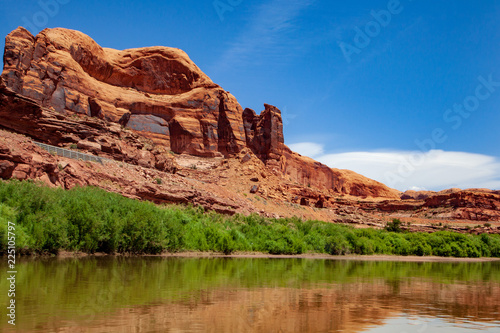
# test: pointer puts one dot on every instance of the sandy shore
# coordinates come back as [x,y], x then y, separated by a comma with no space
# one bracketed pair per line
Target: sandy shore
[329,257]
[258,255]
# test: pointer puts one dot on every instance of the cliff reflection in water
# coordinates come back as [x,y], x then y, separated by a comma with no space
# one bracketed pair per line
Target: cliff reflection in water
[250,295]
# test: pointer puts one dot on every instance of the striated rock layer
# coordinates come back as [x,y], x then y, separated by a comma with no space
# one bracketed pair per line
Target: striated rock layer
[157,92]
[215,183]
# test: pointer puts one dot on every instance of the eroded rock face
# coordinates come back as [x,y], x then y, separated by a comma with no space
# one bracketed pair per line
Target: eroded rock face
[308,172]
[466,198]
[264,133]
[92,135]
[469,204]
[160,94]
[158,90]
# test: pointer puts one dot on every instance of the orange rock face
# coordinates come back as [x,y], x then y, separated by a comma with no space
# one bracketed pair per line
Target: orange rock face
[416,195]
[310,173]
[160,94]
[159,91]
[472,204]
[264,133]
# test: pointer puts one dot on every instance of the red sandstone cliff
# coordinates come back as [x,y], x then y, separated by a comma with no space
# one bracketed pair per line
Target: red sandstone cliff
[160,94]
[158,91]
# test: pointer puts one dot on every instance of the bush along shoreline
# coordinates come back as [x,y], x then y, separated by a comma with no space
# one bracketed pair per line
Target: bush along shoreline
[92,220]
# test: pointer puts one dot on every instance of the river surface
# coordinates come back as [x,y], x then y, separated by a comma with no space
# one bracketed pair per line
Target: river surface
[153,294]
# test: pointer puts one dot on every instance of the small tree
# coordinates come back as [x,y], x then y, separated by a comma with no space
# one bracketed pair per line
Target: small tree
[394,226]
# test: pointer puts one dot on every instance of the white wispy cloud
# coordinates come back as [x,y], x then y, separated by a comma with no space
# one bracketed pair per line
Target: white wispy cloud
[310,149]
[403,170]
[268,33]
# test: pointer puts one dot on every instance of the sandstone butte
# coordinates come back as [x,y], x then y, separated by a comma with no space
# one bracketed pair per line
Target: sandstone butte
[144,106]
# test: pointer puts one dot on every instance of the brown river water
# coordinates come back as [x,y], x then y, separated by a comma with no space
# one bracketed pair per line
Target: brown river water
[154,294]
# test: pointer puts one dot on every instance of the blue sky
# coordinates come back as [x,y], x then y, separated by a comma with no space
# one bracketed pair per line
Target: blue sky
[405,92]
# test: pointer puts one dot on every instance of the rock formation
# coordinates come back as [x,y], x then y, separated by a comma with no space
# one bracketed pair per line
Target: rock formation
[479,205]
[310,173]
[264,133]
[24,116]
[158,93]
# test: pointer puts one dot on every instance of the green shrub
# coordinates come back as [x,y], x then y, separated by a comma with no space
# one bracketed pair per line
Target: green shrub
[421,249]
[7,214]
[394,226]
[418,244]
[315,242]
[275,247]
[399,245]
[492,244]
[444,251]
[364,245]
[337,245]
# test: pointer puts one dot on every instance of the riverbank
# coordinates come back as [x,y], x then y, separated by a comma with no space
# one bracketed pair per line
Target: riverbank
[260,255]
[90,220]
[320,256]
